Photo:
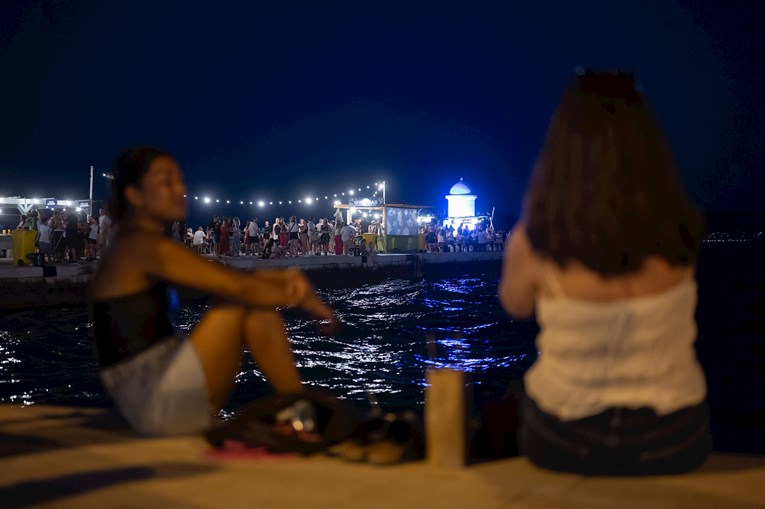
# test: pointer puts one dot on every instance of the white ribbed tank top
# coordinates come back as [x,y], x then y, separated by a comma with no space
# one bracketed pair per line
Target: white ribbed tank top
[630,353]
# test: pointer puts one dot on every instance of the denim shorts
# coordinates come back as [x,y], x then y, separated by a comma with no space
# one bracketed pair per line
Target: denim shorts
[618,441]
[162,390]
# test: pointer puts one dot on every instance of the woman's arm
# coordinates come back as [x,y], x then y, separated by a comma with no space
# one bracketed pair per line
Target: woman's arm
[170,261]
[520,275]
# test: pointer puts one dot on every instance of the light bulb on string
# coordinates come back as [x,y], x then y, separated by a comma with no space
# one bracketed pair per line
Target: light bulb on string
[307,200]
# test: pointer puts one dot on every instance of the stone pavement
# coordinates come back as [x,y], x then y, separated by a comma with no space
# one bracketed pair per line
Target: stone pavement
[82,458]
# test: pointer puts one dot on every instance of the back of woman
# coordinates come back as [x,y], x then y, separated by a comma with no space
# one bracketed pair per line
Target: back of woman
[605,256]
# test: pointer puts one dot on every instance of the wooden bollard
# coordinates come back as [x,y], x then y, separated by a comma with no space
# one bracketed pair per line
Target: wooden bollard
[446,417]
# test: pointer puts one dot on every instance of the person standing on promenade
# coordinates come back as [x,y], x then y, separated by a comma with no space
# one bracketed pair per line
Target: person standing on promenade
[605,255]
[303,236]
[264,235]
[347,233]
[44,241]
[92,239]
[164,383]
[213,232]
[323,232]
[283,234]
[104,229]
[273,238]
[199,240]
[73,238]
[236,237]
[313,237]
[252,243]
[338,237]
[294,239]
[224,238]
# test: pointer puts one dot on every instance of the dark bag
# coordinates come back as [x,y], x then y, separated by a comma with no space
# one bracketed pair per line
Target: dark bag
[305,422]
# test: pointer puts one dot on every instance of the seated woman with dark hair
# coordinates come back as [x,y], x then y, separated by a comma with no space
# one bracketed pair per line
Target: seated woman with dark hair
[605,255]
[161,382]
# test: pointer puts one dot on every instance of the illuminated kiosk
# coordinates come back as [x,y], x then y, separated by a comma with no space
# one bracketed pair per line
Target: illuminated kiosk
[399,222]
[461,206]
[11,207]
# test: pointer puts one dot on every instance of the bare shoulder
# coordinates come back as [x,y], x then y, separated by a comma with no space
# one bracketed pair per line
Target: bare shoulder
[519,248]
[655,276]
[123,268]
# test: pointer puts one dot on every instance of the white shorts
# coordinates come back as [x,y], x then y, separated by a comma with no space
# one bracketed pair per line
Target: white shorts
[162,390]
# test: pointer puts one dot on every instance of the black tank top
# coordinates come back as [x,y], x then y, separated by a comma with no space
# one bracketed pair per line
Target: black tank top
[126,326]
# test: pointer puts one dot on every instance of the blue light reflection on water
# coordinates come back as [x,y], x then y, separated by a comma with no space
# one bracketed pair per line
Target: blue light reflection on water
[381,347]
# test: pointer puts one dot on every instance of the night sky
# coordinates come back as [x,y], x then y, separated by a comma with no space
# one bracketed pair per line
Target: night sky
[282,100]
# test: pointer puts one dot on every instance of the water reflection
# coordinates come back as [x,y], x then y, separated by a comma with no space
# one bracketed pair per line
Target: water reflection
[47,356]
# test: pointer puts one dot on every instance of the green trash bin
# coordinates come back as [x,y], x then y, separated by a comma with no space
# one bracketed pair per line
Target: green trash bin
[23,244]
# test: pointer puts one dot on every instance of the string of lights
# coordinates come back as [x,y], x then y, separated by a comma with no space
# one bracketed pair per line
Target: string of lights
[333,198]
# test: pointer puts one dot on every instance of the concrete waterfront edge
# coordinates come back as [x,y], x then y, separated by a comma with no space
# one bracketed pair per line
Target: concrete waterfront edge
[27,287]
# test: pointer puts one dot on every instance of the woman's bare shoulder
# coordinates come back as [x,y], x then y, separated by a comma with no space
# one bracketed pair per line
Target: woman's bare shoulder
[122,269]
[655,276]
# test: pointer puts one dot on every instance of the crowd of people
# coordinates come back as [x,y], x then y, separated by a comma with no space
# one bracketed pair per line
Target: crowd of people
[224,237]
[293,237]
[448,239]
[68,235]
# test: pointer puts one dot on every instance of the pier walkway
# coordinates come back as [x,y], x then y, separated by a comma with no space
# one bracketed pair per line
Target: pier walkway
[81,458]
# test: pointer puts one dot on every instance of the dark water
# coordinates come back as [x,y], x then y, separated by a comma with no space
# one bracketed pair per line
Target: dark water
[46,355]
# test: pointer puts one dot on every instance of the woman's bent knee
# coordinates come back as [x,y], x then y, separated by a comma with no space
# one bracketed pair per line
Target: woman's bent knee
[262,318]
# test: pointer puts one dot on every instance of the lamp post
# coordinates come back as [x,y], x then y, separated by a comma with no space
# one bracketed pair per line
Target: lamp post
[90,197]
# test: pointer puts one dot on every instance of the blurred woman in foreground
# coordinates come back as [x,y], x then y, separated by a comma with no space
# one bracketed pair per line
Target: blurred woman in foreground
[605,255]
[161,382]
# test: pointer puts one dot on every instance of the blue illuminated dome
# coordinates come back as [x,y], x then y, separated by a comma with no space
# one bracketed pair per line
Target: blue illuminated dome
[461,200]
[460,188]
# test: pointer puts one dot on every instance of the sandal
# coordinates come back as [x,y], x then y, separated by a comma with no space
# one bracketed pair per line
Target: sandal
[387,440]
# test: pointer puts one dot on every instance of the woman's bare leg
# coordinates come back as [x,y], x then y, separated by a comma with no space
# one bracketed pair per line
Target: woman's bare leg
[220,337]
[269,347]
